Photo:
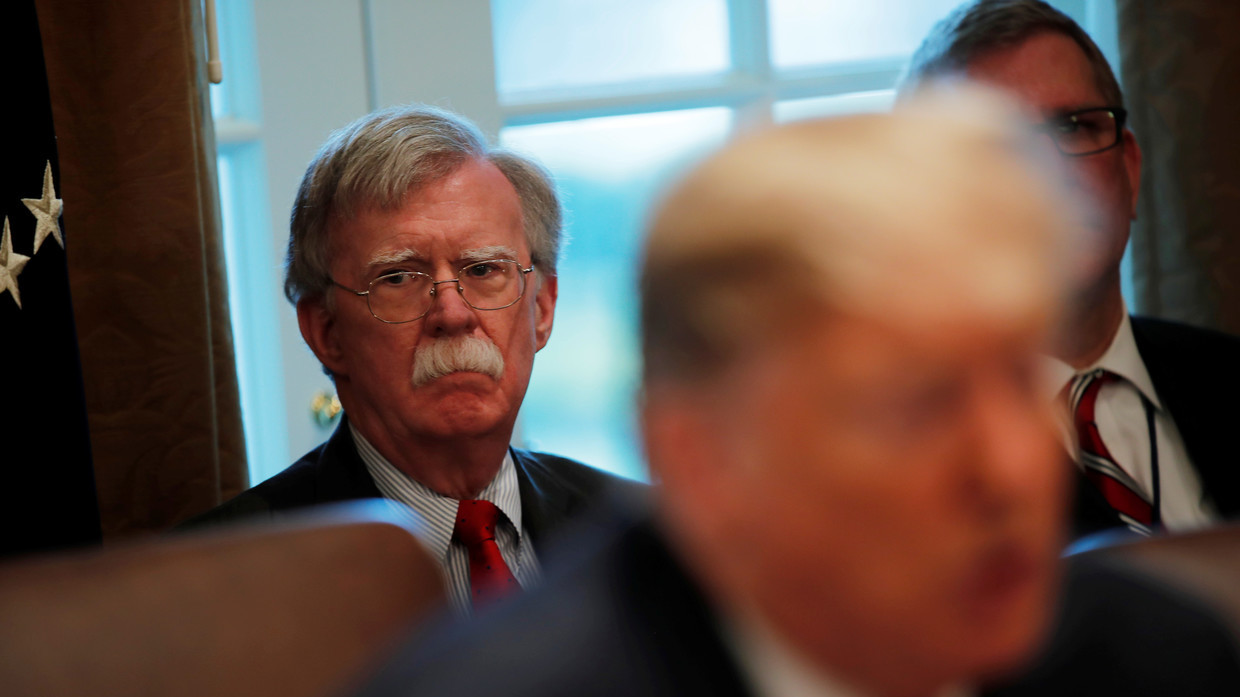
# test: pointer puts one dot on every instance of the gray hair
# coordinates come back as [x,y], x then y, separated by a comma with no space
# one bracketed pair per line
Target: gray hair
[377,159]
[980,26]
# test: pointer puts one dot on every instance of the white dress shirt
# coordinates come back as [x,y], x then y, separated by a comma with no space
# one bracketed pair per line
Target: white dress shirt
[775,669]
[436,515]
[1121,418]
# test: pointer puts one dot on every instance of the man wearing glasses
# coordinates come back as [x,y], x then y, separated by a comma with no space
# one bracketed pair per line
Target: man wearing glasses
[423,267]
[1147,425]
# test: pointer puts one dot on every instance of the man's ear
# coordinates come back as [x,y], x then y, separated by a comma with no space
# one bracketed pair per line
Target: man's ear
[318,328]
[1132,165]
[547,292]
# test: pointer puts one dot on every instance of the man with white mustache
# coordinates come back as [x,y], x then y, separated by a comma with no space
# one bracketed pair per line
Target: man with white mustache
[422,263]
[459,354]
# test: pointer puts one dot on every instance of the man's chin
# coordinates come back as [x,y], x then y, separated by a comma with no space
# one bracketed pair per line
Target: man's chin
[462,410]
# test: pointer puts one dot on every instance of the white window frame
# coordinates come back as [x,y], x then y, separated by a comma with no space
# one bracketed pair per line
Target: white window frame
[246,217]
[326,62]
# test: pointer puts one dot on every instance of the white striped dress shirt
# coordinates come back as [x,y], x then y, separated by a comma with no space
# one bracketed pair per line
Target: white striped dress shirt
[438,519]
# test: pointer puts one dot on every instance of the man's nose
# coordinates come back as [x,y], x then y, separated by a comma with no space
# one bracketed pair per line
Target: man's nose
[449,313]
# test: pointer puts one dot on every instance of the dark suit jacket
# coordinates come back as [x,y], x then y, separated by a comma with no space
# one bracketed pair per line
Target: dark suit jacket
[624,619]
[554,490]
[1197,375]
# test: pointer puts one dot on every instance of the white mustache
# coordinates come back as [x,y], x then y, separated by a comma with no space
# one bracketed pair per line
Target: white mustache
[441,357]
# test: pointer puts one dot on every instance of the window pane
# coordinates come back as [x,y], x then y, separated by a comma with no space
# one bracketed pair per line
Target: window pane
[835,105]
[252,277]
[609,171]
[219,101]
[813,32]
[542,44]
[236,96]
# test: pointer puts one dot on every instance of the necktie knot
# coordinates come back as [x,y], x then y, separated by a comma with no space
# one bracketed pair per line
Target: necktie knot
[1081,393]
[476,521]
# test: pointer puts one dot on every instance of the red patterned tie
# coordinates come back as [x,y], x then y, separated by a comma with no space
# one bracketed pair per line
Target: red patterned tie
[1118,487]
[489,577]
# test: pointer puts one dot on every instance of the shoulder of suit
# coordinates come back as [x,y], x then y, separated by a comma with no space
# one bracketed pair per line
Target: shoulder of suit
[1193,353]
[1177,644]
[296,476]
[576,484]
[1169,330]
[573,470]
[294,483]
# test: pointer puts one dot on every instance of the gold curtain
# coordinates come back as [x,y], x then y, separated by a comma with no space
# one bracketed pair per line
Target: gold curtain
[1181,66]
[146,265]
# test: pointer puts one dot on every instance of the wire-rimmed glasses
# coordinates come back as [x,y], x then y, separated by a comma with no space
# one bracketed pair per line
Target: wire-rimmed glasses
[404,296]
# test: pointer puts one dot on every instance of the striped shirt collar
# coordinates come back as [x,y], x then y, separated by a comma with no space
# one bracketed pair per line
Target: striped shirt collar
[437,510]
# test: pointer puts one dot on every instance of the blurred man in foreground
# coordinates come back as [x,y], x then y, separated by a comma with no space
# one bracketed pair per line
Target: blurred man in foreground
[1153,438]
[423,266]
[860,491]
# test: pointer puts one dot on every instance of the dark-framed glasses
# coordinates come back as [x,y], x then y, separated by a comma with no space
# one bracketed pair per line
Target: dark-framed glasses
[1087,131]
[403,296]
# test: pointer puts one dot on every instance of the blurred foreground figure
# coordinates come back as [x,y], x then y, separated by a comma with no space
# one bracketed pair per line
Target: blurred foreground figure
[861,493]
[1154,439]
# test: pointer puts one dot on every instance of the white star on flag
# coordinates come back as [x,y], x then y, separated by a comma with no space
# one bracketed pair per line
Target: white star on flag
[46,212]
[11,264]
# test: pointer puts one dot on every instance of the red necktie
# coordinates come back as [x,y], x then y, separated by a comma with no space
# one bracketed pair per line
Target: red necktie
[489,577]
[1118,487]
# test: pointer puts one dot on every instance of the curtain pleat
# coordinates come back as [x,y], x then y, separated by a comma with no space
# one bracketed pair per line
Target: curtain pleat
[132,117]
[1181,67]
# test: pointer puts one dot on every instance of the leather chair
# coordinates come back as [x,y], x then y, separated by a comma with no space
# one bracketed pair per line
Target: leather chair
[300,608]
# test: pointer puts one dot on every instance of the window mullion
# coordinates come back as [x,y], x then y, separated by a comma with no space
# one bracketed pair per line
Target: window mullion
[749,39]
[734,90]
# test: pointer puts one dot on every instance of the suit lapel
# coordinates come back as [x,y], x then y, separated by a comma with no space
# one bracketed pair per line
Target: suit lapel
[1190,380]
[545,501]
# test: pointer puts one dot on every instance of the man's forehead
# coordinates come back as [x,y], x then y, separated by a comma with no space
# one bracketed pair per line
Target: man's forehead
[861,351]
[473,205]
[1048,71]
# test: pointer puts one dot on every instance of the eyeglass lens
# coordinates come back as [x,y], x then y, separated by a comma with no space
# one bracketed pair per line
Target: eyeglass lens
[407,295]
[1084,132]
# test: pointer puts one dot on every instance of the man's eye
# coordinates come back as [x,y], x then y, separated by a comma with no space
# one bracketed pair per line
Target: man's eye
[1093,126]
[1067,126]
[482,270]
[395,279]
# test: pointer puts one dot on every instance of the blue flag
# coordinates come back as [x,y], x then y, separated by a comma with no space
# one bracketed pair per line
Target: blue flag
[47,481]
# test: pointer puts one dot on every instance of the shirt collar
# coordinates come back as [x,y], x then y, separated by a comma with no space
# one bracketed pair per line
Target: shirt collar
[776,668]
[1121,358]
[436,512]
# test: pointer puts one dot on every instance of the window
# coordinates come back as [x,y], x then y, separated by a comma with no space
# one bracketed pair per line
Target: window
[616,97]
[249,260]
